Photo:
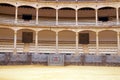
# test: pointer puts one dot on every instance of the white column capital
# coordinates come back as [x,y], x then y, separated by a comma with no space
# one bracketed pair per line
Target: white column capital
[97,33]
[118,33]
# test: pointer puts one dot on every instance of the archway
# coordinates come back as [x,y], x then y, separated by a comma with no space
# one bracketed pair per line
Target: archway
[87,45]
[106,14]
[86,15]
[25,40]
[66,40]
[6,40]
[47,16]
[66,16]
[7,13]
[107,42]
[46,41]
[26,14]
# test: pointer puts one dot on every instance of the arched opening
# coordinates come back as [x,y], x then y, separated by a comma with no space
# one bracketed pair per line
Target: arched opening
[107,42]
[46,41]
[25,40]
[66,40]
[6,40]
[86,15]
[87,42]
[26,14]
[107,14]
[66,16]
[47,16]
[7,13]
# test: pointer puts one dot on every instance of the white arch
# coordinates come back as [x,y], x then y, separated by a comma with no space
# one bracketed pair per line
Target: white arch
[66,7]
[85,7]
[11,3]
[106,6]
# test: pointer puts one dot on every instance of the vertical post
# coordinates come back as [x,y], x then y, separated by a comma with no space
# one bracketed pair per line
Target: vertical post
[96,16]
[15,42]
[77,43]
[56,42]
[118,42]
[56,16]
[16,14]
[36,42]
[76,12]
[97,43]
[37,15]
[117,15]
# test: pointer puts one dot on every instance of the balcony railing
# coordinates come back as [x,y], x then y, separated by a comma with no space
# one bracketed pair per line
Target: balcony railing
[52,22]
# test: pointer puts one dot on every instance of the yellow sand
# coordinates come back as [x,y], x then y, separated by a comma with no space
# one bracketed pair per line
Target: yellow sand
[37,72]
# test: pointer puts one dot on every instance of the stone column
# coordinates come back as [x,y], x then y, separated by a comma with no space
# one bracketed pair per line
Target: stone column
[77,45]
[36,42]
[15,42]
[16,14]
[118,42]
[56,16]
[96,16]
[97,43]
[117,15]
[37,15]
[57,42]
[76,12]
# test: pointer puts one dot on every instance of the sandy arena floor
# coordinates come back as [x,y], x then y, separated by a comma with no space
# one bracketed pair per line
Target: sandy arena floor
[37,72]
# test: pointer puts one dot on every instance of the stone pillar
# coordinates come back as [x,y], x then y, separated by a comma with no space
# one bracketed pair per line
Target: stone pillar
[57,42]
[76,12]
[97,43]
[77,44]
[37,15]
[117,15]
[15,42]
[96,16]
[118,42]
[36,42]
[16,14]
[56,16]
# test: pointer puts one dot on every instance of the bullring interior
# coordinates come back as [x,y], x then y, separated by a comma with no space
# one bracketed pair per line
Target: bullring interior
[61,26]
